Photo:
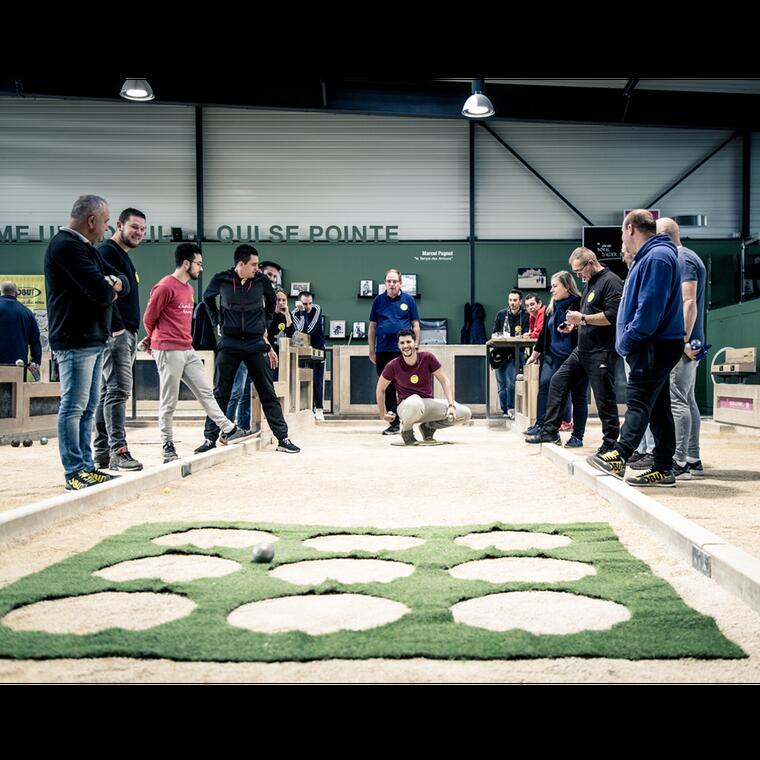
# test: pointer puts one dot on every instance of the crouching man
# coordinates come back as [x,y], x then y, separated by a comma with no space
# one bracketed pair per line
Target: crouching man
[413,373]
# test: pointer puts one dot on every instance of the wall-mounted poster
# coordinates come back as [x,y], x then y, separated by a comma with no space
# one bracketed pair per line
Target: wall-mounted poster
[366,289]
[297,287]
[337,328]
[381,288]
[359,330]
[409,284]
[531,277]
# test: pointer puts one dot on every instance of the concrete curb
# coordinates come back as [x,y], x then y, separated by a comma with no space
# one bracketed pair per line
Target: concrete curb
[17,523]
[730,567]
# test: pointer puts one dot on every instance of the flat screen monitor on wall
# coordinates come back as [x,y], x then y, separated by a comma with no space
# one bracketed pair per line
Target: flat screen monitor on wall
[603,241]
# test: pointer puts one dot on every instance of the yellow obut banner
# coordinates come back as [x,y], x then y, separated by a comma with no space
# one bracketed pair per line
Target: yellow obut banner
[31,293]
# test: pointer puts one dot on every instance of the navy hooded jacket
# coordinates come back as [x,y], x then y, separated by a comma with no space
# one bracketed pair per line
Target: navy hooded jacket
[652,308]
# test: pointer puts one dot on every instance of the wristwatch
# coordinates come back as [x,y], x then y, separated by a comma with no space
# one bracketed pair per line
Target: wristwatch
[583,319]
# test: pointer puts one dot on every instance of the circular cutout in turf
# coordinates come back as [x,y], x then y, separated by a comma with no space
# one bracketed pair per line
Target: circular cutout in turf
[169,568]
[346,542]
[522,570]
[206,538]
[512,540]
[314,572]
[91,613]
[317,615]
[540,612]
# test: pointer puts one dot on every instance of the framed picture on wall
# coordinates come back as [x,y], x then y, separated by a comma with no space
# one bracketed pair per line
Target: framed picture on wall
[359,330]
[366,289]
[409,284]
[297,287]
[337,328]
[381,288]
[531,277]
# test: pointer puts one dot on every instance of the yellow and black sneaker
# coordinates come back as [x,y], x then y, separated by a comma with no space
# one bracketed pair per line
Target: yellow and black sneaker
[652,477]
[97,477]
[78,481]
[610,463]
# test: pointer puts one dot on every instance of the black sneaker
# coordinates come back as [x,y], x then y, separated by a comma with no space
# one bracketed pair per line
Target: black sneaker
[680,473]
[544,437]
[102,459]
[696,468]
[97,477]
[392,430]
[207,445]
[287,446]
[79,480]
[604,448]
[635,457]
[644,462]
[407,436]
[235,435]
[532,430]
[652,478]
[610,463]
[427,430]
[121,459]
[573,442]
[170,453]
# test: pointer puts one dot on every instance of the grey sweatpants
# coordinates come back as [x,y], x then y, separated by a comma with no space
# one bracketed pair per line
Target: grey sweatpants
[683,380]
[176,366]
[417,409]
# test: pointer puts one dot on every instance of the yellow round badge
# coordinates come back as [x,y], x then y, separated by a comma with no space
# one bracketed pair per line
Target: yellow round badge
[404,307]
[137,277]
[518,329]
[281,326]
[590,296]
[414,379]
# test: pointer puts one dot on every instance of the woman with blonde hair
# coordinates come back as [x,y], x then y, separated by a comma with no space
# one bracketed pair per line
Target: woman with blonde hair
[553,347]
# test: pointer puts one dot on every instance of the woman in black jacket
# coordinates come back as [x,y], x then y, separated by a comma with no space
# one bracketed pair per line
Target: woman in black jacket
[553,347]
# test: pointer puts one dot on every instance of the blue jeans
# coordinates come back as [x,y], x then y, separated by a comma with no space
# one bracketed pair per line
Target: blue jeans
[80,374]
[239,406]
[505,383]
[549,365]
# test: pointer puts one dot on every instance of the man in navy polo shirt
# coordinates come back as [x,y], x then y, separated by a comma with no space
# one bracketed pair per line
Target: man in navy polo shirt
[391,312]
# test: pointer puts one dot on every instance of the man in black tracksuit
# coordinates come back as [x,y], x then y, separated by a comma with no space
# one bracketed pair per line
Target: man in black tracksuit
[595,356]
[247,303]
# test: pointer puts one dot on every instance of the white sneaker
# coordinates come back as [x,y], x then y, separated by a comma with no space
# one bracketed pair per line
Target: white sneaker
[319,415]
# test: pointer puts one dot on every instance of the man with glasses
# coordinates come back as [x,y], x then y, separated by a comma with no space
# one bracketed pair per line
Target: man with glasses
[595,355]
[391,312]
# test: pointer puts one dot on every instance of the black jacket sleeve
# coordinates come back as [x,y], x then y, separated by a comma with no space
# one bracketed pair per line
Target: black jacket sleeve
[209,298]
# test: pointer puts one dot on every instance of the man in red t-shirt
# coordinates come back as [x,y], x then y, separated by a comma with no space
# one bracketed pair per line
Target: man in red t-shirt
[413,373]
[168,319]
[536,310]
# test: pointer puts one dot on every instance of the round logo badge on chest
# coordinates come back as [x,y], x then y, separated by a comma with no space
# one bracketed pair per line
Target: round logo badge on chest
[590,296]
[281,326]
[414,379]
[403,307]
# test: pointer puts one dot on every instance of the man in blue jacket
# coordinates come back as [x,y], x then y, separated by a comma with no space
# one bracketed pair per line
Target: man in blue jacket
[19,330]
[650,335]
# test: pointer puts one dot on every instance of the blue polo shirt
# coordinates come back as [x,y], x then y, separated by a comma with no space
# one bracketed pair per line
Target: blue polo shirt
[392,315]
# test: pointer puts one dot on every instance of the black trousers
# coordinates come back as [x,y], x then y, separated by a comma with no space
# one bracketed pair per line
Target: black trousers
[383,358]
[599,368]
[648,399]
[226,366]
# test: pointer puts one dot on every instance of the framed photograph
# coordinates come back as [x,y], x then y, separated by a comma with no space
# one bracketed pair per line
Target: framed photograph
[366,289]
[409,284]
[381,288]
[297,287]
[337,328]
[359,330]
[531,277]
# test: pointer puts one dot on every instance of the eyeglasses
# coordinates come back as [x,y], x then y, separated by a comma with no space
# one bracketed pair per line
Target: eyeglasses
[578,271]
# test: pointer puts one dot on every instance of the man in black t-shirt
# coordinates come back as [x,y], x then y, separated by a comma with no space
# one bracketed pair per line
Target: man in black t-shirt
[594,357]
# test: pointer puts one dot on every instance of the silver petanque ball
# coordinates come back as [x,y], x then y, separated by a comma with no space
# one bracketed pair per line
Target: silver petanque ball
[263,552]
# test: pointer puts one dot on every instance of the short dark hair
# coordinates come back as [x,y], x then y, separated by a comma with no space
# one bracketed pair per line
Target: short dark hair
[532,295]
[264,264]
[124,215]
[642,220]
[243,253]
[404,332]
[186,252]
[306,293]
[515,290]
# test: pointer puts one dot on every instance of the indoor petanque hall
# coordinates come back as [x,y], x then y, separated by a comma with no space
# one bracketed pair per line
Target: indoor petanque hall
[378,381]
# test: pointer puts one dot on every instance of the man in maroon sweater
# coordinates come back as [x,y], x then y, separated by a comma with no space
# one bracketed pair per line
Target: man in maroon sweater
[168,322]
[412,373]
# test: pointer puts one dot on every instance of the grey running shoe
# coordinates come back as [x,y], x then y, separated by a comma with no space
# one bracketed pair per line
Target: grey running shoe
[121,459]
[407,436]
[235,435]
[696,468]
[680,473]
[645,462]
[170,453]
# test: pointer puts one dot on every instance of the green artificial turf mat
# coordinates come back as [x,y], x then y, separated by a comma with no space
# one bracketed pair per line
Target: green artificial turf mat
[661,626]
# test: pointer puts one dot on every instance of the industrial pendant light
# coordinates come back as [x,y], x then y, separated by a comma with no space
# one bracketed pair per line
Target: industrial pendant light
[137,89]
[477,106]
